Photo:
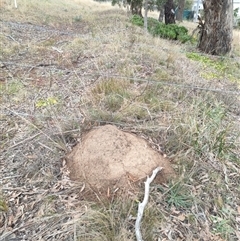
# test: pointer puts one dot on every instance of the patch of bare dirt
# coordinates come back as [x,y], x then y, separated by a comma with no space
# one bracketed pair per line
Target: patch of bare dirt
[108,158]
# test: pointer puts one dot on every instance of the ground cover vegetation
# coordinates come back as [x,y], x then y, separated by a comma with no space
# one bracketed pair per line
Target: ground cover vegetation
[67,66]
[170,31]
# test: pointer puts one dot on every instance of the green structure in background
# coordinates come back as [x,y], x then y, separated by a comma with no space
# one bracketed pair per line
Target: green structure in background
[188,14]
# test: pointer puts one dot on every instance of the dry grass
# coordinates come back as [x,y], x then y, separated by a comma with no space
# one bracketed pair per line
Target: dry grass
[52,12]
[236,42]
[80,63]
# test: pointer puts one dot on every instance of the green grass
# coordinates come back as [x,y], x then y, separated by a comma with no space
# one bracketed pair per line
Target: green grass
[222,227]
[3,204]
[206,131]
[11,87]
[179,196]
[221,67]
[112,86]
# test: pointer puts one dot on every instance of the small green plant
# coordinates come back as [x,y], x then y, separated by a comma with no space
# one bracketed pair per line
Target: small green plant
[198,57]
[152,97]
[136,111]
[179,196]
[46,102]
[110,94]
[3,205]
[11,88]
[113,102]
[77,18]
[222,227]
[219,65]
[111,86]
[216,67]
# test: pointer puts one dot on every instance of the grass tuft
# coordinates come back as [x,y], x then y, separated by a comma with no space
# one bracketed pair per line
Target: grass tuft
[206,131]
[179,196]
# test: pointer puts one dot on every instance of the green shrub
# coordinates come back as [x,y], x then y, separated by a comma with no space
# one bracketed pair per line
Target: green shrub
[170,31]
[137,20]
[152,23]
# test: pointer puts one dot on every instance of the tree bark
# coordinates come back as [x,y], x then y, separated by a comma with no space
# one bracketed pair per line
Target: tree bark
[136,7]
[216,33]
[161,14]
[169,11]
[179,15]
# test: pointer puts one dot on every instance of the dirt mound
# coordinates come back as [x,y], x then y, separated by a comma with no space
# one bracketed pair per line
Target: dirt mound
[110,158]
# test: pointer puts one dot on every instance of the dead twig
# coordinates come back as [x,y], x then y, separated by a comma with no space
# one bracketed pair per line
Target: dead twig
[25,140]
[15,3]
[141,206]
[12,38]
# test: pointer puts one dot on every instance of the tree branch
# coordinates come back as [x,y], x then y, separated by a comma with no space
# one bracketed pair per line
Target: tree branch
[141,206]
[15,3]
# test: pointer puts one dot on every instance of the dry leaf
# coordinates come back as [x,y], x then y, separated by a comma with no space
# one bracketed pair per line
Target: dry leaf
[10,220]
[174,211]
[181,217]
[32,157]
[238,209]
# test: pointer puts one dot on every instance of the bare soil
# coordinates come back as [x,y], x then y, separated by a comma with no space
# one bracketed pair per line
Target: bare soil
[108,158]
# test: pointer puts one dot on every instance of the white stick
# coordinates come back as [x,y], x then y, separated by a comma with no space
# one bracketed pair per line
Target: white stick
[15,3]
[142,205]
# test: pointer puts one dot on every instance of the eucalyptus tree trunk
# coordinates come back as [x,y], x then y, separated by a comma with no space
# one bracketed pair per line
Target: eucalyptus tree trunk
[136,7]
[161,14]
[216,32]
[179,15]
[169,12]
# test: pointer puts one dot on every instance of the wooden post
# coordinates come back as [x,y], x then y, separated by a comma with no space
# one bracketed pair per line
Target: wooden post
[145,15]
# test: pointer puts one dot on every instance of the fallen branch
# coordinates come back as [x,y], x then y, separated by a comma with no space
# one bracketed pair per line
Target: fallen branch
[141,206]
[9,36]
[58,50]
